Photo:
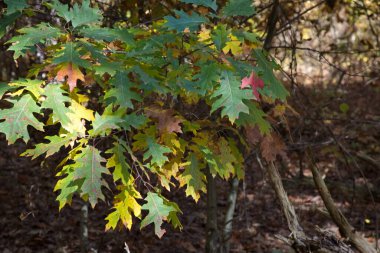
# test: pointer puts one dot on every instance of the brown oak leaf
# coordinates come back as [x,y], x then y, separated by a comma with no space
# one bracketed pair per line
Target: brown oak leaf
[253,134]
[271,146]
[167,122]
[73,74]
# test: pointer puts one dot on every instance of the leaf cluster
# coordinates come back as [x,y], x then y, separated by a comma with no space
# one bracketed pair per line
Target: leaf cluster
[165,100]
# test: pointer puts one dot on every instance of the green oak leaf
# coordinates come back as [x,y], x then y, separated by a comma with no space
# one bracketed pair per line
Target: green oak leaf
[56,100]
[273,87]
[150,82]
[134,120]
[158,211]
[193,178]
[19,117]
[53,146]
[108,34]
[121,93]
[230,97]
[4,88]
[70,54]
[66,185]
[156,152]
[15,5]
[220,36]
[208,75]
[208,3]
[184,21]
[33,86]
[31,36]
[118,160]
[7,20]
[239,8]
[215,164]
[173,215]
[79,15]
[89,169]
[103,124]
[255,117]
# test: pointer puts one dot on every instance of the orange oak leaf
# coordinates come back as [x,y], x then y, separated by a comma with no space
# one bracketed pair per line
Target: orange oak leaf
[73,74]
[271,146]
[167,122]
[255,82]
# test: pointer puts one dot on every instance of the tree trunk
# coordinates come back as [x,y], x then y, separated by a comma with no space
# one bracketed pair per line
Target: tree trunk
[212,218]
[84,228]
[227,231]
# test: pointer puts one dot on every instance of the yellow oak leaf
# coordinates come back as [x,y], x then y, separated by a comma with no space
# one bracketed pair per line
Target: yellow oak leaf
[235,46]
[204,34]
[82,111]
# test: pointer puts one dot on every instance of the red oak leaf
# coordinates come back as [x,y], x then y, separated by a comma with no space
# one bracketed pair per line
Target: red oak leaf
[73,74]
[253,81]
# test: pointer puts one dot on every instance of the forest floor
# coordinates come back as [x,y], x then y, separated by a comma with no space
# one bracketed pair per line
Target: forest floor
[30,220]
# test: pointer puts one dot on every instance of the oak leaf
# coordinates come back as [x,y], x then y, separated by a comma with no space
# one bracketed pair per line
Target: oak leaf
[167,122]
[253,134]
[271,146]
[255,82]
[73,74]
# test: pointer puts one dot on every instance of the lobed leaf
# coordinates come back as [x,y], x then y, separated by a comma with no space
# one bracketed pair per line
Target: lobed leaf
[31,36]
[184,21]
[193,178]
[230,97]
[78,15]
[19,117]
[239,8]
[157,212]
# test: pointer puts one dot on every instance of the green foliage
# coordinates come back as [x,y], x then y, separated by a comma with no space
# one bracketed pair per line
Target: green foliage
[118,161]
[7,20]
[121,93]
[238,8]
[15,5]
[70,54]
[19,117]
[126,205]
[31,36]
[207,77]
[156,152]
[78,15]
[88,170]
[53,146]
[193,178]
[230,97]
[265,68]
[184,20]
[33,86]
[142,106]
[220,36]
[158,211]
